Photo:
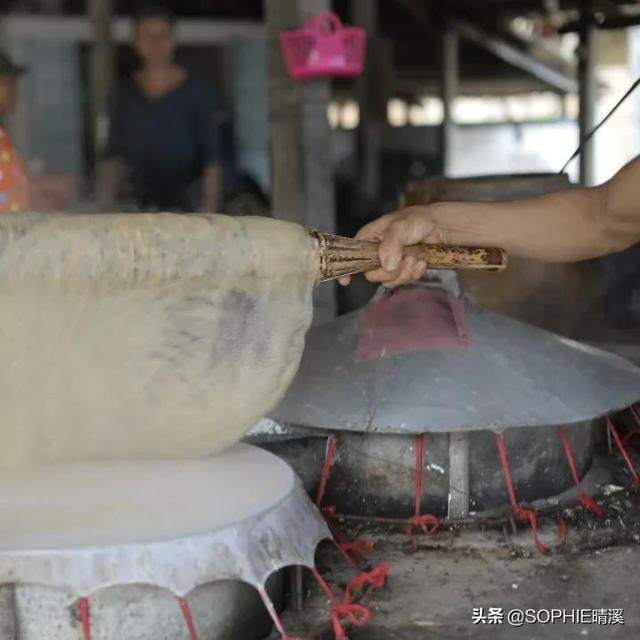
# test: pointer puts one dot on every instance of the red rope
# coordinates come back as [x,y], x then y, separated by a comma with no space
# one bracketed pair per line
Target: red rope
[324,586]
[188,618]
[85,618]
[634,428]
[329,454]
[520,512]
[345,545]
[376,577]
[344,608]
[585,499]
[614,432]
[362,545]
[357,614]
[274,616]
[562,526]
[427,522]
[502,452]
[630,433]
[418,472]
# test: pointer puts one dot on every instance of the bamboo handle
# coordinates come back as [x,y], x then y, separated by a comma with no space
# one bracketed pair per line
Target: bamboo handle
[343,256]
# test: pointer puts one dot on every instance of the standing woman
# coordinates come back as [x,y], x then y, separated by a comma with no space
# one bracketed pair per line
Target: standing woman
[13,180]
[163,142]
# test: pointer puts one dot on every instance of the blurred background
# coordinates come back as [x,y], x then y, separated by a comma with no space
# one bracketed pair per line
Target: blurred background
[453,89]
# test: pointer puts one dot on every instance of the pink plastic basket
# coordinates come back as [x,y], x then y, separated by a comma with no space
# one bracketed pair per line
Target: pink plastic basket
[323,47]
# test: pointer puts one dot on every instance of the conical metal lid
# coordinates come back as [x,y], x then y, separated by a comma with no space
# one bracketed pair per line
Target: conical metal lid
[508,374]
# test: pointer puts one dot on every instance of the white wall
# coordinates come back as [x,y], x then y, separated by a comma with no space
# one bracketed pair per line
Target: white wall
[481,149]
[51,105]
[250,107]
[513,148]
[617,141]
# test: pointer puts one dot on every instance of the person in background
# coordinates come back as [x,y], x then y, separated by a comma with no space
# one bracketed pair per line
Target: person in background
[163,142]
[13,179]
[566,226]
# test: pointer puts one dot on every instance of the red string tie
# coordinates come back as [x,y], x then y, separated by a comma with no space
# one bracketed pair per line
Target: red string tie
[362,545]
[329,455]
[427,522]
[528,515]
[358,614]
[614,432]
[85,618]
[520,512]
[562,526]
[188,618]
[329,511]
[585,499]
[376,577]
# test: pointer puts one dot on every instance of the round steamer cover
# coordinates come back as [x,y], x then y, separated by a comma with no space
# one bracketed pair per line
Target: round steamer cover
[418,360]
[175,524]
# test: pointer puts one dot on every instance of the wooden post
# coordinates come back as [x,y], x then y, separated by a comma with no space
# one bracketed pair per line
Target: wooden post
[101,69]
[300,138]
[586,96]
[448,91]
[458,474]
[8,622]
[365,14]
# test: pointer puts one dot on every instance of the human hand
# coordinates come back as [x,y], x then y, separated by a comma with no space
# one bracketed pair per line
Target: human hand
[394,231]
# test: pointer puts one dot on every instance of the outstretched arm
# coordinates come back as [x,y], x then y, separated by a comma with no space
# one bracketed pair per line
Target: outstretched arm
[566,226]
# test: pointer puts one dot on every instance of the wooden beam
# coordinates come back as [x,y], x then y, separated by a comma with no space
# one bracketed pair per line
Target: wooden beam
[300,138]
[459,485]
[586,96]
[449,81]
[8,621]
[365,15]
[500,47]
[190,31]
[504,50]
[101,69]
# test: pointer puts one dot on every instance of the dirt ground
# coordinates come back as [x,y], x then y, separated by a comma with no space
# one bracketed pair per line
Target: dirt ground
[433,589]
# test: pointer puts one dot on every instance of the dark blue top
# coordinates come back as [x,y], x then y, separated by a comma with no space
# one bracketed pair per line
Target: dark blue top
[165,142]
